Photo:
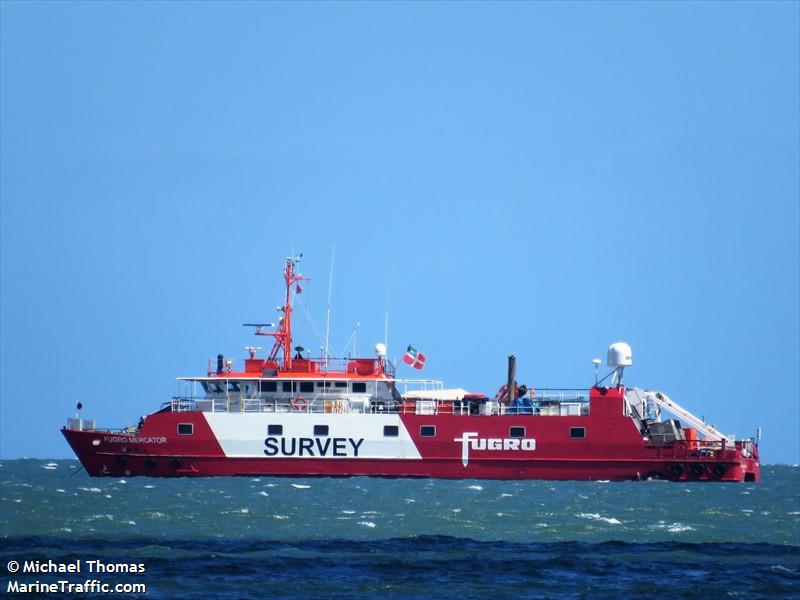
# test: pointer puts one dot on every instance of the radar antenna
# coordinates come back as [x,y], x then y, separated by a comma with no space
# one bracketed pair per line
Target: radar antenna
[252,349]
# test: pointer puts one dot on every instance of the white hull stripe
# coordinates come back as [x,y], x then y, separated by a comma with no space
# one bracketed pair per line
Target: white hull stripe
[349,436]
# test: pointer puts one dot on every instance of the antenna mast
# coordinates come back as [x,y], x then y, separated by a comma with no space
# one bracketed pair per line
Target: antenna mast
[386,332]
[330,293]
[283,336]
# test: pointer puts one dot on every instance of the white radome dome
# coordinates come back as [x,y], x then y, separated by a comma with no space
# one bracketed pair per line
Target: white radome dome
[619,355]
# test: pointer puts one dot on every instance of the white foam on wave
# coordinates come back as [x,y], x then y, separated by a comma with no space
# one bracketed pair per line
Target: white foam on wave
[676,527]
[60,491]
[280,517]
[456,510]
[95,490]
[506,495]
[475,487]
[409,500]
[795,513]
[97,517]
[52,464]
[598,517]
[263,493]
[348,512]
[49,468]
[782,569]
[300,486]
[122,481]
[149,487]
[679,528]
[367,523]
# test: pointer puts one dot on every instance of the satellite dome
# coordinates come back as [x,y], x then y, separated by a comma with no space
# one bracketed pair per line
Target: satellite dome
[619,355]
[380,350]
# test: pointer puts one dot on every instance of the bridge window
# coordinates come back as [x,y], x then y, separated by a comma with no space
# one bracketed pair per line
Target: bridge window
[516,432]
[390,431]
[427,431]
[307,387]
[185,428]
[340,384]
[359,387]
[577,433]
[269,386]
[320,430]
[234,386]
[274,429]
[289,386]
[212,387]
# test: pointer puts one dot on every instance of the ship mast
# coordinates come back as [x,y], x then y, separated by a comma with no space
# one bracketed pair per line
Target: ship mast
[283,336]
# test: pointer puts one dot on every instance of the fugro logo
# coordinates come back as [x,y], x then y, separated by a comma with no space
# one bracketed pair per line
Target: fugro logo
[323,447]
[471,440]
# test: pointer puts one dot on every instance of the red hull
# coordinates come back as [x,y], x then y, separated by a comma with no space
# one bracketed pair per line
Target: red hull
[613,450]
[574,470]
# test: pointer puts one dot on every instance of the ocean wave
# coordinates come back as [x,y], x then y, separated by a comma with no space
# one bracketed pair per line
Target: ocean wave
[598,517]
[673,527]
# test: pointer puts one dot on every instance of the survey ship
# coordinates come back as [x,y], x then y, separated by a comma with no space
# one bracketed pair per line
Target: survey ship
[289,414]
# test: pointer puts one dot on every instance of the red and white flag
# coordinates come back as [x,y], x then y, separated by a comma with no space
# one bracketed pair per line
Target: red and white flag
[414,358]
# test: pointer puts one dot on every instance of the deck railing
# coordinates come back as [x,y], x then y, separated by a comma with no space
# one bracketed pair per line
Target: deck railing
[546,403]
[688,449]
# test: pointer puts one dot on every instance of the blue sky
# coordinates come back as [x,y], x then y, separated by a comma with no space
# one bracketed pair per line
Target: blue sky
[540,179]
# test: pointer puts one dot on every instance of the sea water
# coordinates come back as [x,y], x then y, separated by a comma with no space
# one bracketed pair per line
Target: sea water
[261,537]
